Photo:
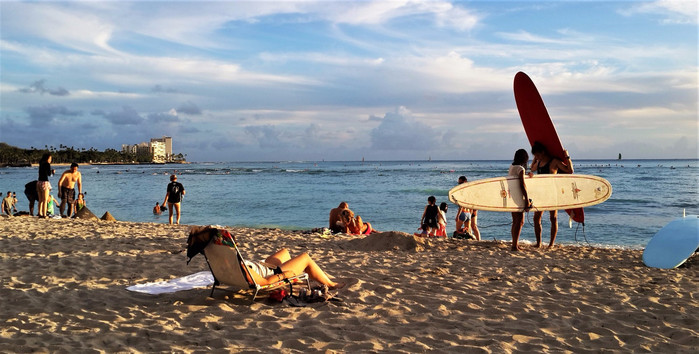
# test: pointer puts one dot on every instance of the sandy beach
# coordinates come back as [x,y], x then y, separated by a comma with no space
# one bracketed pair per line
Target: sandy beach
[64,289]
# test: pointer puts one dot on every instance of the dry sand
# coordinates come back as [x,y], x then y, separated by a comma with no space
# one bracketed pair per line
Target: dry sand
[64,289]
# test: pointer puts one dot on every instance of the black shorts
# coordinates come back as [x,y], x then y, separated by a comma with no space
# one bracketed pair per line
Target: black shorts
[68,194]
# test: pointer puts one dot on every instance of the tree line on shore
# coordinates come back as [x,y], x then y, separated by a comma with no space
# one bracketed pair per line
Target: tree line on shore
[15,156]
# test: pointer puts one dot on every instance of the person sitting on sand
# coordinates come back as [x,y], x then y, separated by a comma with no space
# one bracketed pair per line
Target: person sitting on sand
[7,204]
[442,222]
[50,206]
[354,224]
[429,222]
[518,169]
[80,202]
[466,220]
[335,223]
[276,267]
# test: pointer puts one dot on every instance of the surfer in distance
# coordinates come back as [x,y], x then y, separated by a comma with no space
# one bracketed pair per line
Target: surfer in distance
[544,163]
[518,169]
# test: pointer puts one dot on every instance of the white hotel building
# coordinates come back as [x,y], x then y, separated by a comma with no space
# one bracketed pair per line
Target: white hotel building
[160,149]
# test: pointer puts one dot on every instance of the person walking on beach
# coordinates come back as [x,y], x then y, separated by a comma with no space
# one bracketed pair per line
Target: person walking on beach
[543,163]
[66,188]
[518,169]
[43,186]
[30,191]
[173,197]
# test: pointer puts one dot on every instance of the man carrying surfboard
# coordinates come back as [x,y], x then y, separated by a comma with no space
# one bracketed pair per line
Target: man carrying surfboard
[544,163]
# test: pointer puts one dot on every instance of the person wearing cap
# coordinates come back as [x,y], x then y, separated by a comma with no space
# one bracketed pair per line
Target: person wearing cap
[173,197]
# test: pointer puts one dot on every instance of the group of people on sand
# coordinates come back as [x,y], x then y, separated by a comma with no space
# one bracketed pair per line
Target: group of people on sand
[343,220]
[71,202]
[433,220]
[433,223]
[40,191]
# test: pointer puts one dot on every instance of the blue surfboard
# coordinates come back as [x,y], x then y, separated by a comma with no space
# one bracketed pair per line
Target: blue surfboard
[673,244]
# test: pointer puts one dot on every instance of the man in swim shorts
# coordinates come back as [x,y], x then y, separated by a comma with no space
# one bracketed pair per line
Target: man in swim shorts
[66,188]
[173,197]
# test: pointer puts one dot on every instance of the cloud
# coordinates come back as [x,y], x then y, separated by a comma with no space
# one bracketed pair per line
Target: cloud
[445,13]
[74,26]
[189,108]
[127,116]
[524,36]
[399,130]
[38,87]
[159,88]
[266,136]
[164,117]
[45,114]
[673,11]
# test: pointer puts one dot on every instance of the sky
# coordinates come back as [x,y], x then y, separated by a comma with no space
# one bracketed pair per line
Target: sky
[346,80]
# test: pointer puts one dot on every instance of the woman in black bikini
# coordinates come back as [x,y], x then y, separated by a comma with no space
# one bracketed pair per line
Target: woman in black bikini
[544,163]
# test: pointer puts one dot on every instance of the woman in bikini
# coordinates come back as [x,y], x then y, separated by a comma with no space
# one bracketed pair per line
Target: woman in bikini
[354,224]
[276,267]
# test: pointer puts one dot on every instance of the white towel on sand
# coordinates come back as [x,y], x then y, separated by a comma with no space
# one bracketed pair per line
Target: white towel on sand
[192,281]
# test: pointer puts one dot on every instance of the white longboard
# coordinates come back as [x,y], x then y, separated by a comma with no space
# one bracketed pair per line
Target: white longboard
[673,244]
[547,192]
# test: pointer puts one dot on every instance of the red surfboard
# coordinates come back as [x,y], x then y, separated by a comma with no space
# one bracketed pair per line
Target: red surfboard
[538,125]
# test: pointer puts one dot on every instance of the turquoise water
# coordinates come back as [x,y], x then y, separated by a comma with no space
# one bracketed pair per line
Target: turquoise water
[647,194]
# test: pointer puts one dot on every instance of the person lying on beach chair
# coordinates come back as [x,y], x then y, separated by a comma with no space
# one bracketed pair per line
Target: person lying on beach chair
[228,266]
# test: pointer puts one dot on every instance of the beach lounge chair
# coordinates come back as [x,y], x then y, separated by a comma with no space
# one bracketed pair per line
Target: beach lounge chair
[228,268]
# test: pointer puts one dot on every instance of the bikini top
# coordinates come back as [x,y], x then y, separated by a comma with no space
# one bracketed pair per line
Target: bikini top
[544,170]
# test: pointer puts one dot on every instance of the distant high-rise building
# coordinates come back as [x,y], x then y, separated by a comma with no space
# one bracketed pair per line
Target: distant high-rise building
[163,146]
[160,149]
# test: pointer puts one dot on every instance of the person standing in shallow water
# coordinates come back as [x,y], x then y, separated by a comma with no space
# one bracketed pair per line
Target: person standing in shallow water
[173,197]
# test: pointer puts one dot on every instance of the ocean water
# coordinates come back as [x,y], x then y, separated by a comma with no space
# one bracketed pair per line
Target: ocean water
[647,194]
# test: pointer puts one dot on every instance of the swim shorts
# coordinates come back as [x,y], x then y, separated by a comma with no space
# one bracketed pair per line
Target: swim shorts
[43,185]
[464,216]
[260,269]
[67,193]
